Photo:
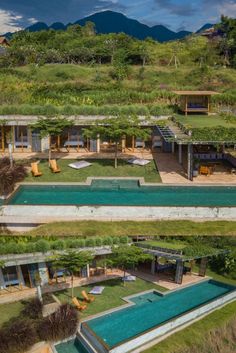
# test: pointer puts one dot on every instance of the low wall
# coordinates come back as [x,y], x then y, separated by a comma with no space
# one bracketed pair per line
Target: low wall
[166,328]
[44,214]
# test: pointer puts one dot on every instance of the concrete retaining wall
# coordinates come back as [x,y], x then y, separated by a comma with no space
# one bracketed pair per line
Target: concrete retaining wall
[43,214]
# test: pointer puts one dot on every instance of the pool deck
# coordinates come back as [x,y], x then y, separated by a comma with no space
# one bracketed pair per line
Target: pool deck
[166,281]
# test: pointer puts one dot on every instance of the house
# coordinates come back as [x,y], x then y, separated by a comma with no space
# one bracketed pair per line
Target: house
[194,101]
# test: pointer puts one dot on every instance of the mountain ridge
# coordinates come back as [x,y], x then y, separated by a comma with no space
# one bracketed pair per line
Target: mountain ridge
[115,22]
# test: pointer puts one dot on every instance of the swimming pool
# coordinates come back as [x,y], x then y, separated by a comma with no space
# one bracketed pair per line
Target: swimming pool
[154,309]
[124,193]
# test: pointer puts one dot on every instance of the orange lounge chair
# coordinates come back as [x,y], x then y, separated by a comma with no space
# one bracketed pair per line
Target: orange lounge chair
[35,170]
[204,170]
[77,304]
[87,297]
[54,167]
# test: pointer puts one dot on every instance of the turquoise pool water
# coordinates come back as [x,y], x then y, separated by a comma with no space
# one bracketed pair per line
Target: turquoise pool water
[153,309]
[124,193]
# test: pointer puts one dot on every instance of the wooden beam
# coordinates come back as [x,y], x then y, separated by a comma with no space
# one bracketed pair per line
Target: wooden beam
[2,140]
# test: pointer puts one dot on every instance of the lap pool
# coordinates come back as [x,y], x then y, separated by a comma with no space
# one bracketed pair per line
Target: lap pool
[125,329]
[124,193]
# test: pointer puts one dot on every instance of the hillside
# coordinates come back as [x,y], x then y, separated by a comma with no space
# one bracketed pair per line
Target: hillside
[114,22]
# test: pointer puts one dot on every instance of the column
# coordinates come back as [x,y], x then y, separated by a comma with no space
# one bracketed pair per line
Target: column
[43,273]
[45,141]
[88,270]
[98,143]
[179,271]
[203,267]
[180,154]
[173,147]
[153,267]
[20,275]
[190,161]
[29,134]
[2,282]
[123,144]
[12,139]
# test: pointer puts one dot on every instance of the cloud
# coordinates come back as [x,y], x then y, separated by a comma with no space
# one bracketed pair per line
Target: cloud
[9,22]
[181,8]
[58,10]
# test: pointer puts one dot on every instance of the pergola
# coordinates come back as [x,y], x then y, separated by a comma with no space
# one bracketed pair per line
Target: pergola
[195,101]
[179,259]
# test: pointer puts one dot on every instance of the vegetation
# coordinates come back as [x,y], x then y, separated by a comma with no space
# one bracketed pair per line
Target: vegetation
[100,168]
[127,257]
[22,245]
[72,262]
[214,333]
[59,325]
[111,297]
[116,129]
[10,174]
[174,245]
[128,228]
[51,127]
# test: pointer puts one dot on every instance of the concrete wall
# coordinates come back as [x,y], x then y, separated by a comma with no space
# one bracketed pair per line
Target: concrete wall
[162,330]
[44,214]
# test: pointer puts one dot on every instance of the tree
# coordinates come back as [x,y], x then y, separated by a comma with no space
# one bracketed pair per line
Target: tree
[50,127]
[128,256]
[10,174]
[72,262]
[117,128]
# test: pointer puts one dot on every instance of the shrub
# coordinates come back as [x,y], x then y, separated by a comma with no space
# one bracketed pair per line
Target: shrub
[107,241]
[116,240]
[42,246]
[10,175]
[18,336]
[98,241]
[124,240]
[90,242]
[58,245]
[33,309]
[59,325]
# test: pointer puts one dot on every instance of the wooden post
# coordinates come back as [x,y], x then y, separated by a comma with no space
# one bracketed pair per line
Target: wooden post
[58,142]
[13,138]
[203,267]
[68,138]
[190,162]
[179,272]
[186,105]
[132,143]
[123,144]
[2,140]
[208,104]
[22,141]
[180,154]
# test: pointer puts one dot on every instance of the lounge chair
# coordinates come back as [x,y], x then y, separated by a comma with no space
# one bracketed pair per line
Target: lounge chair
[54,167]
[35,170]
[88,298]
[204,170]
[78,305]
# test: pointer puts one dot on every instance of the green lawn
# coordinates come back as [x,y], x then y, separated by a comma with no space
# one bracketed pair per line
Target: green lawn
[194,335]
[99,168]
[112,295]
[165,244]
[201,121]
[174,228]
[9,311]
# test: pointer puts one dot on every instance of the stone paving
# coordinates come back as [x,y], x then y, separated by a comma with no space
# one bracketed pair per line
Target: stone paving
[166,281]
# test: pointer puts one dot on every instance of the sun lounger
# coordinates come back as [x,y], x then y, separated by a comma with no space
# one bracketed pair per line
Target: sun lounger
[129,278]
[35,170]
[138,161]
[80,164]
[88,298]
[204,170]
[78,305]
[54,167]
[97,290]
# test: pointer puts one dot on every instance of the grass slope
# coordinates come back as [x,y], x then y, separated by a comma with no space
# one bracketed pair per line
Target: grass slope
[87,228]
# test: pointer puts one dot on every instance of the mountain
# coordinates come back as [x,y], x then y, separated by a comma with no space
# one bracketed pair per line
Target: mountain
[206,26]
[115,22]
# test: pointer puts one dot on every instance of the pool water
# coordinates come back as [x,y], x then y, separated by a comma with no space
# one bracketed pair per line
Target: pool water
[119,326]
[124,193]
[73,346]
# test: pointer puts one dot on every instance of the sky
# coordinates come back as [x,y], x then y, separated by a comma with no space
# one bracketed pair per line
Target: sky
[174,14]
